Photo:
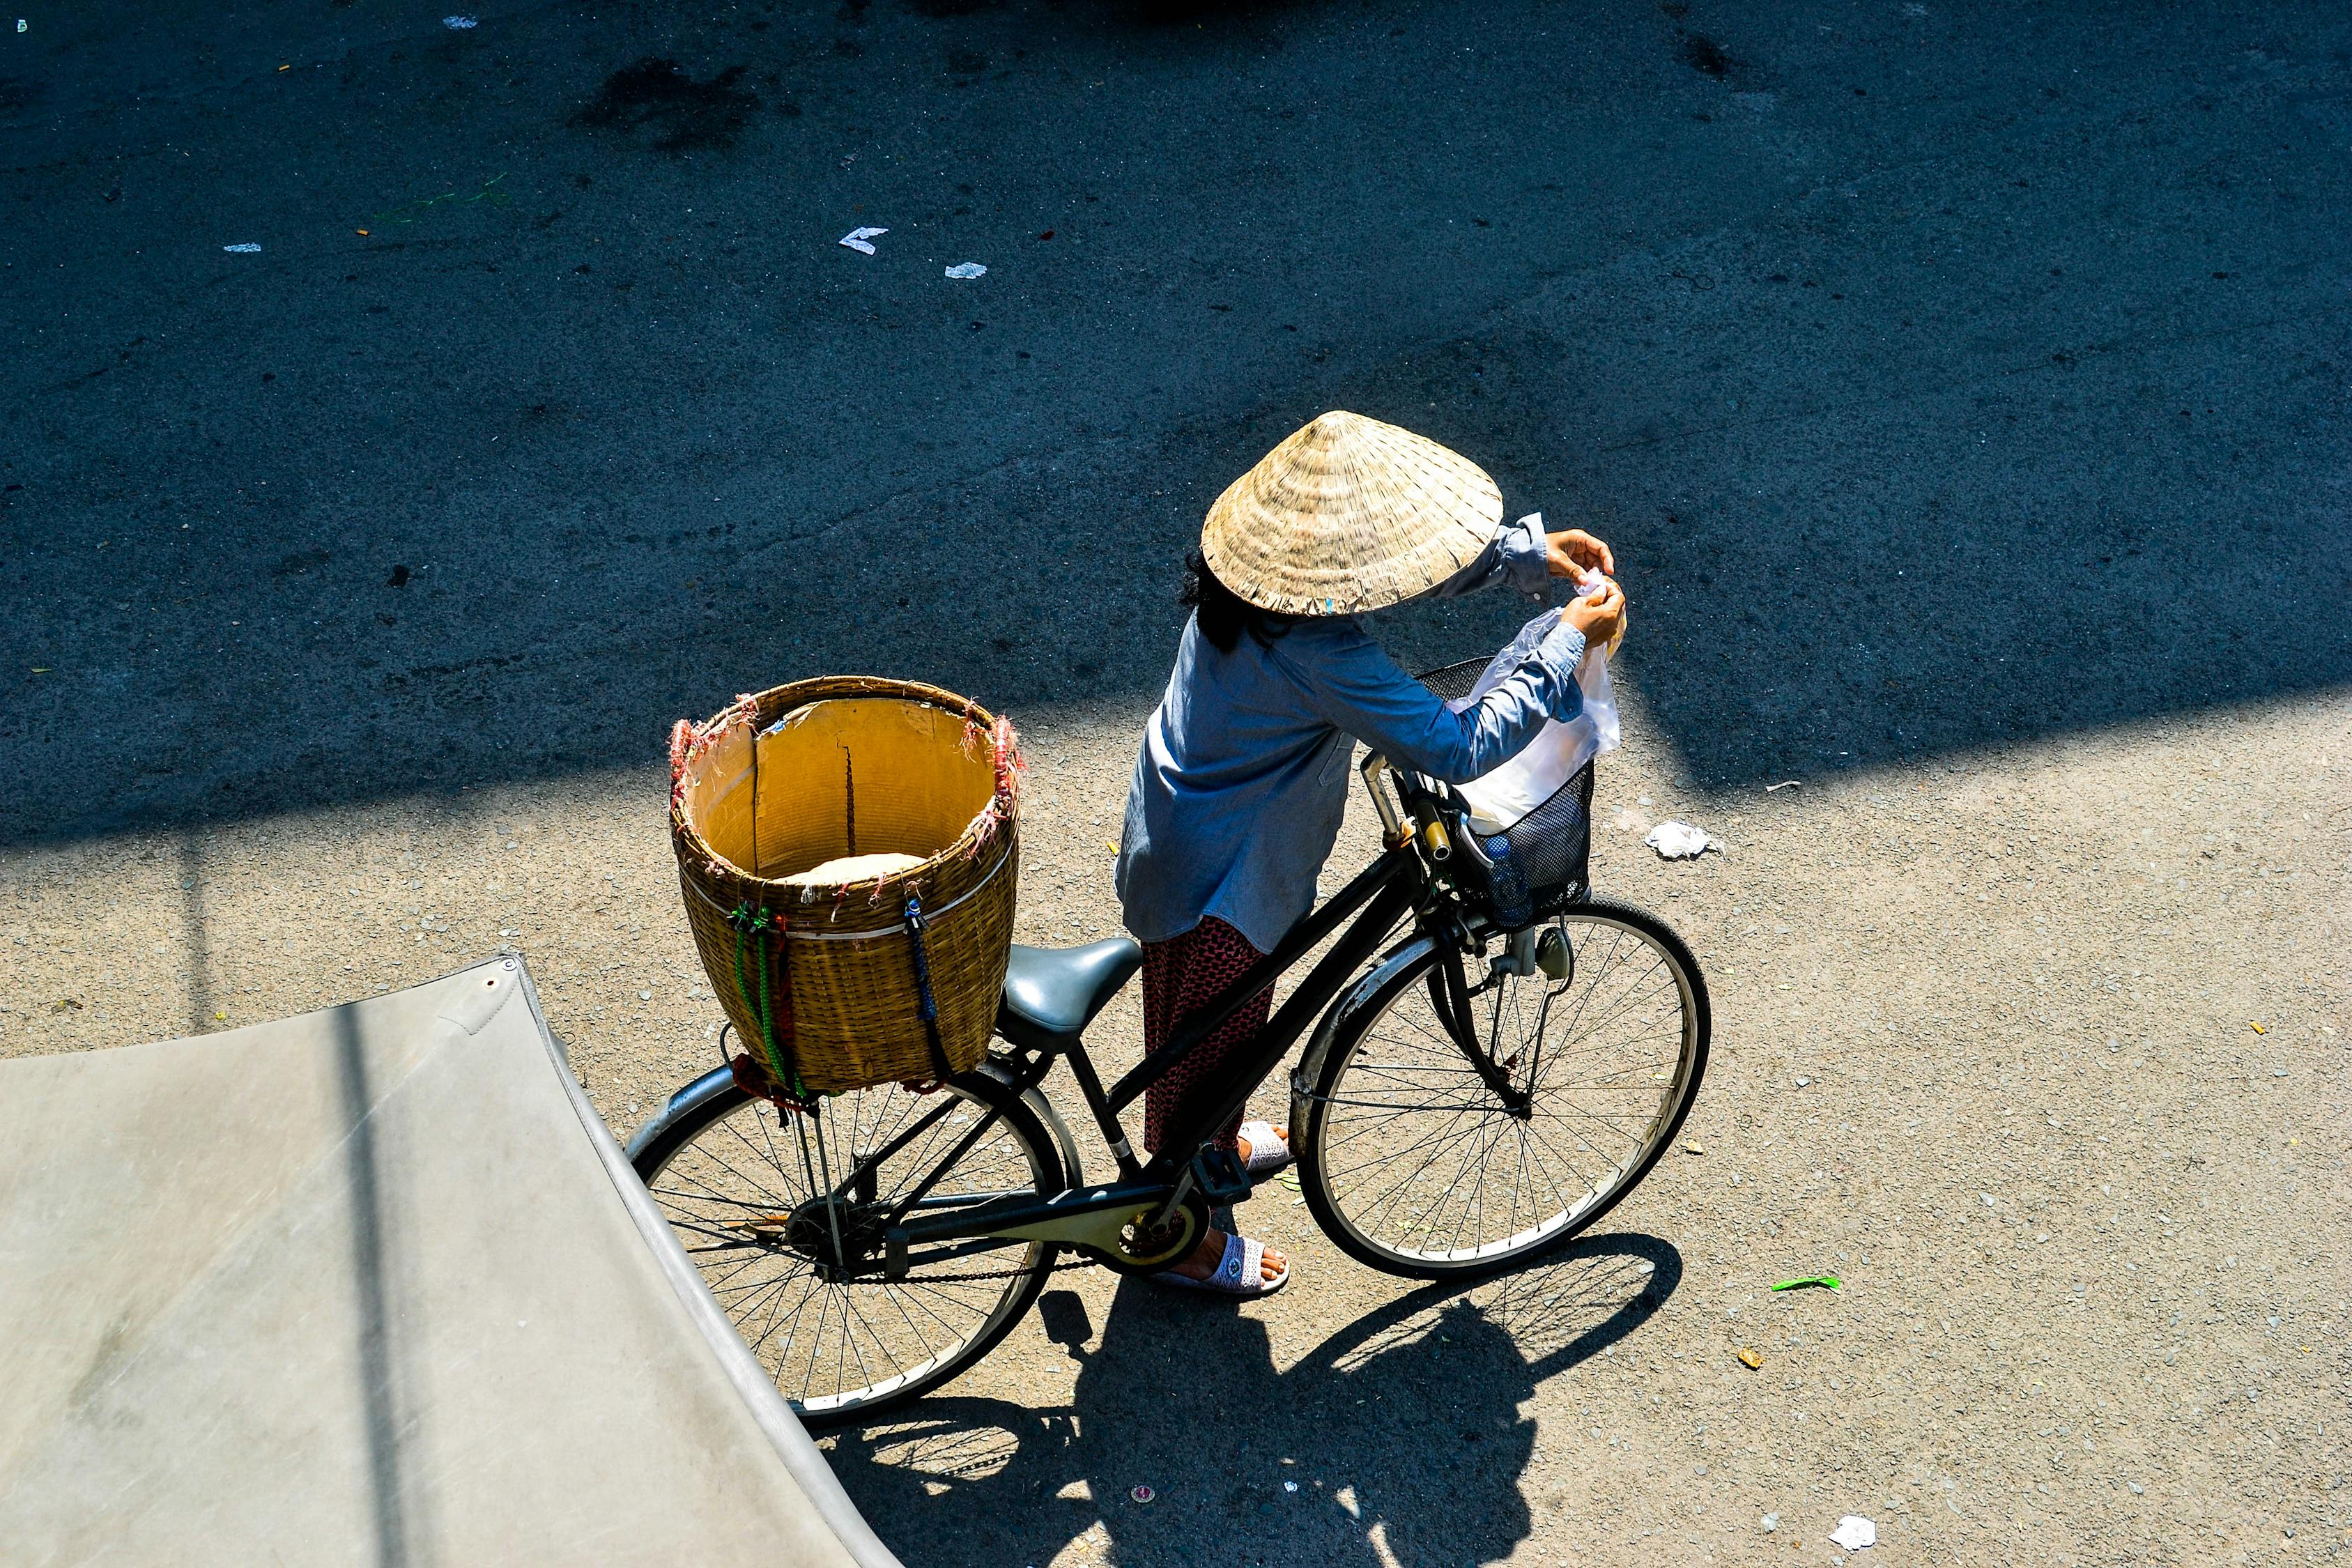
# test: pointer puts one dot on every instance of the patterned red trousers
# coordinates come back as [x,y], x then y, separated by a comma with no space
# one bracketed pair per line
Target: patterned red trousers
[1179,976]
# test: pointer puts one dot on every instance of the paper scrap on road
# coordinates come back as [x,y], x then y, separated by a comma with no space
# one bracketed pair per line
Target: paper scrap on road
[861,239]
[966,270]
[1853,1533]
[1826,1282]
[1680,841]
[1750,1360]
[460,24]
[247,249]
[1784,783]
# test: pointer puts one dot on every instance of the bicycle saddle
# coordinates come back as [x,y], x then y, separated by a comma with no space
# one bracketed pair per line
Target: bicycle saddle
[1052,994]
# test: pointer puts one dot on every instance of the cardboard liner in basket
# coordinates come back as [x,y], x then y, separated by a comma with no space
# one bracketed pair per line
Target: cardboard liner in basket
[827,983]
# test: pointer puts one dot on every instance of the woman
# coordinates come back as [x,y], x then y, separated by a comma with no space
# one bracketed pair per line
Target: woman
[1243,778]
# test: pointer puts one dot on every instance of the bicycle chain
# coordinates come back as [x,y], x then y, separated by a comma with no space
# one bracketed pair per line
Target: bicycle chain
[994,1274]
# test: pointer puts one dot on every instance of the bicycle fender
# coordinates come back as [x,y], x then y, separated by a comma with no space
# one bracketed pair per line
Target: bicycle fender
[718,1080]
[1353,1000]
[1065,1145]
[721,1081]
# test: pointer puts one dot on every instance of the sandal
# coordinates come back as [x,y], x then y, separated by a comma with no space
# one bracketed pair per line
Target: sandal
[1269,1151]
[1241,1272]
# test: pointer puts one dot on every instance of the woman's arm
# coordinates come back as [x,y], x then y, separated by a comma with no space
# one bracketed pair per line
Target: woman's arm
[1525,556]
[1517,554]
[1358,689]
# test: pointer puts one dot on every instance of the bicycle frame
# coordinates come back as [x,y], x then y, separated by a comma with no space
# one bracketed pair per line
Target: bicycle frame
[1403,882]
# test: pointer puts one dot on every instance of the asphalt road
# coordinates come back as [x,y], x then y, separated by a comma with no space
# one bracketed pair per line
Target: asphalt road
[1964,390]
[1948,378]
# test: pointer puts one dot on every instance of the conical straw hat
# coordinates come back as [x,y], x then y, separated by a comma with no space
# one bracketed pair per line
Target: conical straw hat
[1347,515]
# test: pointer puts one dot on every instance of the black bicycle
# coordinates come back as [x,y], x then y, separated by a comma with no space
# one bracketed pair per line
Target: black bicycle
[1497,1057]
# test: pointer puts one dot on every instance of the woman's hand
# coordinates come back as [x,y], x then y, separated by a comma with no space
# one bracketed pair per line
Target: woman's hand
[1574,552]
[1601,617]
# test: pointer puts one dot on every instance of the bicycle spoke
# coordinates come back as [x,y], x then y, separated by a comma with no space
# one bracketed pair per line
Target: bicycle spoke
[834,1342]
[1422,1162]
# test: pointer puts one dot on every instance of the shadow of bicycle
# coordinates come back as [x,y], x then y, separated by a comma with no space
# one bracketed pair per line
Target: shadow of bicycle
[1398,1440]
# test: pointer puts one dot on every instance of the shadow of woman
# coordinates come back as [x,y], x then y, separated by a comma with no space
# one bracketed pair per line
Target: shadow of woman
[1398,1440]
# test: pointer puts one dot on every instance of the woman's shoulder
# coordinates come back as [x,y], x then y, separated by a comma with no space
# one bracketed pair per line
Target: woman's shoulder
[1333,653]
[1326,634]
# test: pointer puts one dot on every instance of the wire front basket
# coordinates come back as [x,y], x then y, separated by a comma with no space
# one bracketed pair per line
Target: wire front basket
[1541,863]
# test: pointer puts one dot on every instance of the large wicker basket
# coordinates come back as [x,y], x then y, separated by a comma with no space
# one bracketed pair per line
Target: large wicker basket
[829,985]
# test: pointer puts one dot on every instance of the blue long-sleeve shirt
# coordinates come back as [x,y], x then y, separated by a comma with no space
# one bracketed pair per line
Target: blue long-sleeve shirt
[1243,778]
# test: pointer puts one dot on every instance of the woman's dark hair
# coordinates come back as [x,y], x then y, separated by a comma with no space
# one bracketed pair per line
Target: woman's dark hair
[1225,615]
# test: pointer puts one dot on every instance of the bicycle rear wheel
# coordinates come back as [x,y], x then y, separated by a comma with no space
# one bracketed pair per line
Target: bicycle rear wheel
[1414,1165]
[743,1188]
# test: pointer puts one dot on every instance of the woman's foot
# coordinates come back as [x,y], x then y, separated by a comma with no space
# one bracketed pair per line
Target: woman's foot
[1280,1138]
[1217,1266]
[1211,1253]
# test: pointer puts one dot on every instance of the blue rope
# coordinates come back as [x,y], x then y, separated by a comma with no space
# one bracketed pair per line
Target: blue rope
[925,1008]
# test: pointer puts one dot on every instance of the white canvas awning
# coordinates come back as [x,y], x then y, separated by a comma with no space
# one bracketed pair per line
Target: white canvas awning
[371,1285]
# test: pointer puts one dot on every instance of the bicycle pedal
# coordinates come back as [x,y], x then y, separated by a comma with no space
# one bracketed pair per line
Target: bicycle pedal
[1221,1176]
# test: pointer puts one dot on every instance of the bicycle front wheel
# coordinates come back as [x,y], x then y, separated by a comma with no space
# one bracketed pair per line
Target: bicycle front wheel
[1415,1164]
[779,1211]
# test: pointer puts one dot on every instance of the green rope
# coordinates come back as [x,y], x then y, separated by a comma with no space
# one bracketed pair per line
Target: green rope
[409,212]
[754,922]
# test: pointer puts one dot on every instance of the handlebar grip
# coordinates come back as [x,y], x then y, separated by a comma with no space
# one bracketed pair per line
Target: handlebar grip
[1393,832]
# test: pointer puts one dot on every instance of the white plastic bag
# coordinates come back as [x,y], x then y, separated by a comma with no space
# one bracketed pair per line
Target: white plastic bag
[1498,799]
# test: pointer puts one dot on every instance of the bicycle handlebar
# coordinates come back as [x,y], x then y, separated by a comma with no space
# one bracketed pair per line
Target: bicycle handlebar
[1427,825]
[1393,832]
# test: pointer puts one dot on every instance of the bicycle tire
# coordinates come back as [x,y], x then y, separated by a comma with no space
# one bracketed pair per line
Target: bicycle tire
[1338,1140]
[689,1202]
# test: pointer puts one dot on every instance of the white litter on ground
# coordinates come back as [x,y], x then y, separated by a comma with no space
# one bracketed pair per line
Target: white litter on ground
[966,270]
[460,24]
[242,249]
[857,239]
[1680,841]
[1853,1533]
[1771,1522]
